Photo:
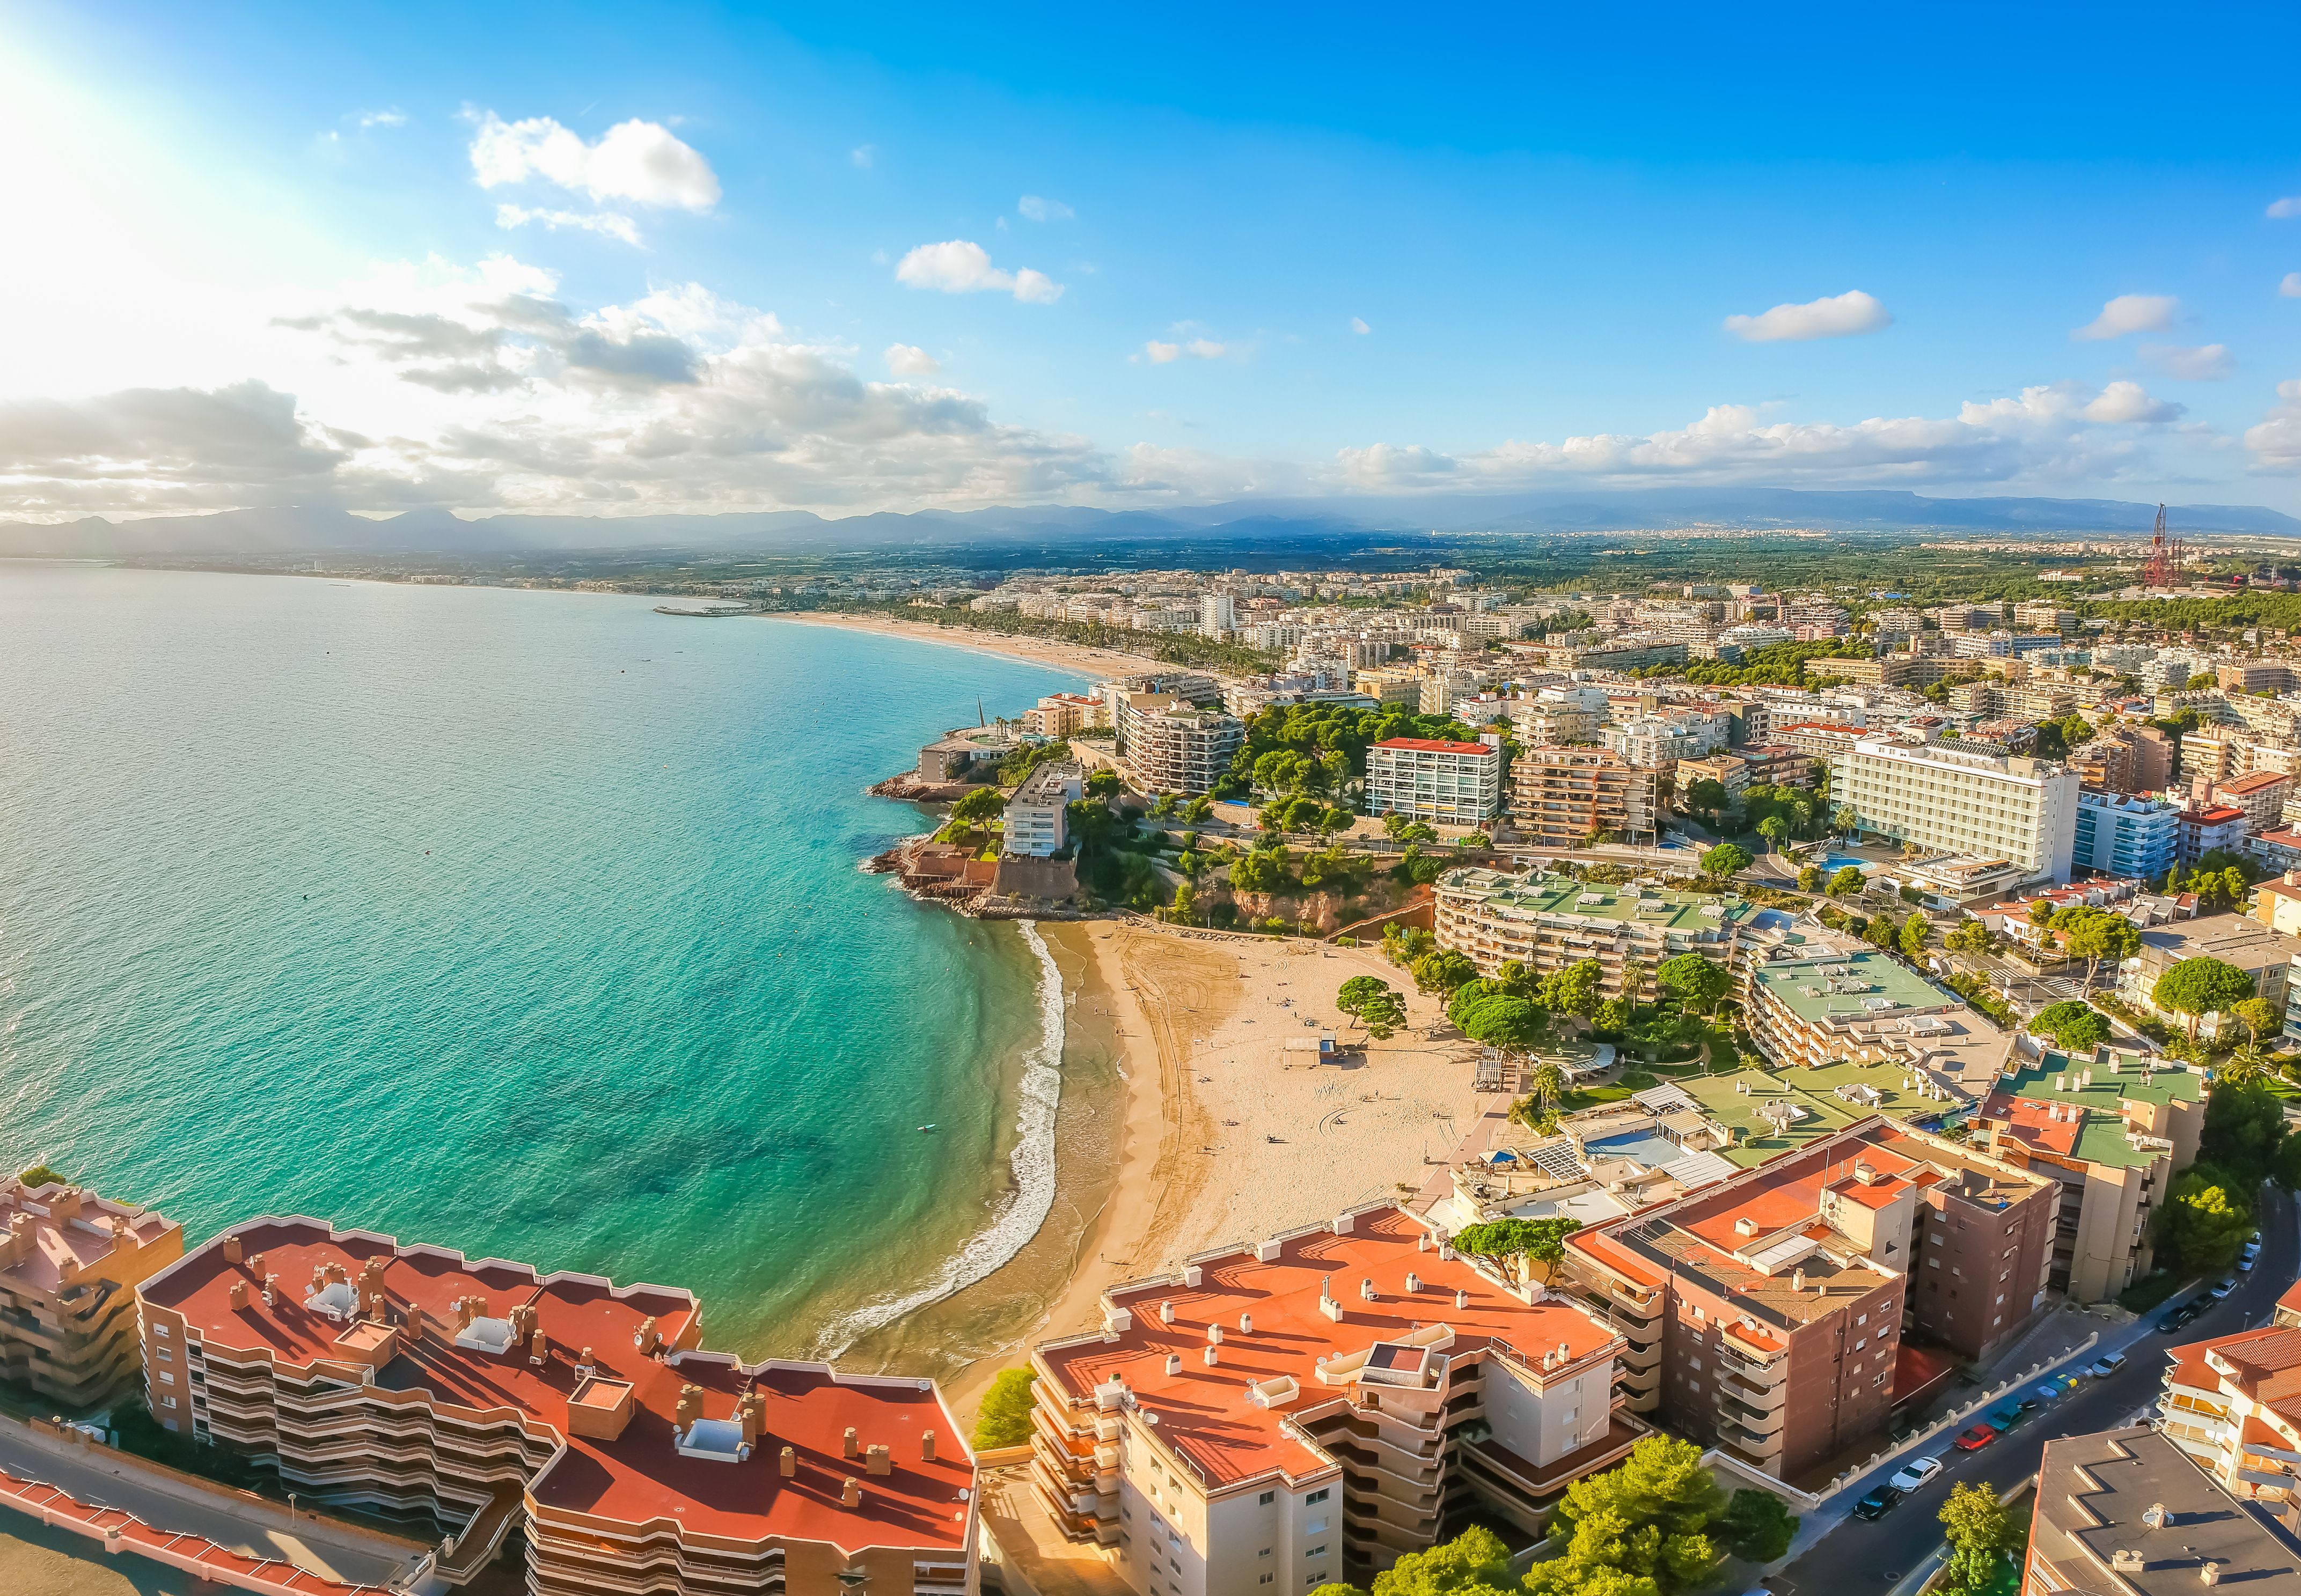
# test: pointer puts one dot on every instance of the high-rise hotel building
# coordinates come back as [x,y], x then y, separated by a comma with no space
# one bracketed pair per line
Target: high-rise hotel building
[1951,800]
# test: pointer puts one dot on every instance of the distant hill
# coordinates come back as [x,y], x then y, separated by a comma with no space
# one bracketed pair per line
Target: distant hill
[329,529]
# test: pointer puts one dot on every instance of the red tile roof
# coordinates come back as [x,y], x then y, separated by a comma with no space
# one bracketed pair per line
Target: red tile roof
[1205,1414]
[2267,1361]
[638,1477]
[2256,783]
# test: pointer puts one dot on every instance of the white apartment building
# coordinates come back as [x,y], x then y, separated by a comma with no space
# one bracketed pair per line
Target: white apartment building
[1654,743]
[1166,744]
[1459,783]
[1953,801]
[1058,714]
[1037,827]
[1217,614]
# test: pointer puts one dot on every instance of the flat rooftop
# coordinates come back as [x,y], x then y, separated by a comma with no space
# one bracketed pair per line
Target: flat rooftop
[1740,1101]
[2033,1104]
[1664,907]
[2093,1490]
[1206,1416]
[64,1232]
[1852,986]
[638,1477]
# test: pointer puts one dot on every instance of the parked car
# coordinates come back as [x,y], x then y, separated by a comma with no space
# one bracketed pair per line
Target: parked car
[1915,1472]
[2178,1318]
[2106,1366]
[1975,1439]
[1877,1503]
[2049,1390]
[2004,1417]
[2253,1248]
[2221,1289]
[2244,1263]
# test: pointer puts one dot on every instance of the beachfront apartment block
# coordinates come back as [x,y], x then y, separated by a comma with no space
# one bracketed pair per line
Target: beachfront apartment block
[1869,1007]
[1060,714]
[70,1263]
[2133,839]
[1037,824]
[482,1398]
[1763,1314]
[2233,1404]
[1561,797]
[1959,801]
[1548,922]
[1305,1409]
[1458,783]
[2114,1133]
[1168,745]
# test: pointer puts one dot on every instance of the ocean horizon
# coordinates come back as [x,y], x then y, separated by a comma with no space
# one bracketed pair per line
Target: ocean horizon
[526,923]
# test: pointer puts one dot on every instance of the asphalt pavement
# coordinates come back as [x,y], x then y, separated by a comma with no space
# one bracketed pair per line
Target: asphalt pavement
[1856,1557]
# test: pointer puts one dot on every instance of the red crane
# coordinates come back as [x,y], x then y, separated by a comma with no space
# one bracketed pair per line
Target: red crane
[2165,567]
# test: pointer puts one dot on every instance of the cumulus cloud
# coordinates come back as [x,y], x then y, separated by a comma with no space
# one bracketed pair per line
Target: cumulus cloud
[2128,314]
[2206,362]
[641,162]
[2286,208]
[1358,325]
[1197,349]
[908,360]
[958,266]
[1032,207]
[1842,315]
[2275,443]
[2126,402]
[393,118]
[2290,288]
[612,224]
[148,448]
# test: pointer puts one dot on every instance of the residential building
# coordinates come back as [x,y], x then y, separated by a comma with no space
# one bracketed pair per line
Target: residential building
[2124,837]
[2261,795]
[1456,782]
[1730,771]
[1820,738]
[1060,714]
[1657,742]
[2233,938]
[2123,1511]
[1953,881]
[1547,724]
[1167,745]
[2043,614]
[1961,802]
[1871,1008]
[1188,686]
[1391,685]
[2210,828]
[1763,1314]
[483,1399]
[1548,922]
[1560,796]
[70,1263]
[1882,669]
[1770,764]
[2114,1133]
[2215,755]
[2233,1404]
[1037,822]
[1217,614]
[2279,850]
[1308,1409]
[2253,675]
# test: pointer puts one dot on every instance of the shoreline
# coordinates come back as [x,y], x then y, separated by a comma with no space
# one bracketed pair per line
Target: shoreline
[1221,1140]
[1094,663]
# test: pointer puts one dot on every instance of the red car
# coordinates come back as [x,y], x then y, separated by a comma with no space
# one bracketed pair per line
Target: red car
[1975,1439]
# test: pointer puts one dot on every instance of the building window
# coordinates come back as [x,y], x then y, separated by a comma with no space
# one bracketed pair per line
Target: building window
[1315,1498]
[1267,1498]
[1315,1551]
[160,1330]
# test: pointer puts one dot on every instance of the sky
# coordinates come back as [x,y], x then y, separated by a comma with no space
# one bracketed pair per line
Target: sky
[601,260]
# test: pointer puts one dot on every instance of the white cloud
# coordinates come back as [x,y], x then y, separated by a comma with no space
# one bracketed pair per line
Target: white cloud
[1358,325]
[2122,402]
[641,162]
[393,118]
[613,224]
[2275,443]
[161,449]
[1842,315]
[908,360]
[862,155]
[1197,349]
[2206,362]
[2286,208]
[1032,207]
[2130,313]
[958,266]
[2290,288]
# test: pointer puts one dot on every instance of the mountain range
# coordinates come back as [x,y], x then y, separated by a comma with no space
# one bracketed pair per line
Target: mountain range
[331,529]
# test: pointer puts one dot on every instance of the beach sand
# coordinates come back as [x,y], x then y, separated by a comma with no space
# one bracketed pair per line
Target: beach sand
[1045,651]
[1222,1140]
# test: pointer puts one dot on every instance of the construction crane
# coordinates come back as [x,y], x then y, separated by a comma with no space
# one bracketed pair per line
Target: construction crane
[2165,567]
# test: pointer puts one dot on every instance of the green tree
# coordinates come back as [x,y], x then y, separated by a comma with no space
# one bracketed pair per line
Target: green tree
[1549,1083]
[979,808]
[2200,1226]
[2101,936]
[1724,861]
[2074,1027]
[1384,1015]
[1915,930]
[1847,881]
[1810,879]
[1509,1023]
[1757,1527]
[1541,1239]
[1005,1419]
[1638,1527]
[1775,830]
[42,1174]
[1474,1563]
[1359,991]
[2197,987]
[1698,983]
[2259,1016]
[1106,784]
[1980,1532]
[1198,811]
[1402,945]
[1614,1013]
[1264,870]
[1574,990]
[1186,900]
[2243,1134]
[1442,972]
[1969,936]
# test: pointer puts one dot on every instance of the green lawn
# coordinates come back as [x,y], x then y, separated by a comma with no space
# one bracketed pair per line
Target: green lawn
[1574,1102]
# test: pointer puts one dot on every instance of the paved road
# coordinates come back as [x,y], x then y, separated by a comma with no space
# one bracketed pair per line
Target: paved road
[1858,1556]
[98,1475]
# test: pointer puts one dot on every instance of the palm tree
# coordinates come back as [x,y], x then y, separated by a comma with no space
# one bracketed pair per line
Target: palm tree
[1549,1083]
[1633,983]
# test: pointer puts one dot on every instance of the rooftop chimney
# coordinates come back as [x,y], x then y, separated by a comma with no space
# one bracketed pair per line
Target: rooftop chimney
[1213,1335]
[787,1463]
[237,1297]
[647,1339]
[1166,1311]
[926,1446]
[850,1494]
[848,1449]
[466,1308]
[1797,1280]
[1246,1324]
[691,1405]
[1461,1299]
[880,1463]
[413,1328]
[1174,1363]
[1214,1356]
[231,1249]
[1413,1281]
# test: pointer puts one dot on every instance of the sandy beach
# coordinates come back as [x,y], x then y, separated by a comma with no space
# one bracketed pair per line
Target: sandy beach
[1224,1140]
[1045,651]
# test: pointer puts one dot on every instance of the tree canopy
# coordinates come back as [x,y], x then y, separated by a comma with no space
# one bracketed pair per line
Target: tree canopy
[2197,987]
[2074,1027]
[1979,1531]
[1756,1526]
[1443,971]
[1005,1419]
[1698,983]
[1724,861]
[1636,1527]
[979,808]
[1847,880]
[1543,1239]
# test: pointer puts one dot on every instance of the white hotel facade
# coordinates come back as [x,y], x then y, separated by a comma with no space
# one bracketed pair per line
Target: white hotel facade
[1964,802]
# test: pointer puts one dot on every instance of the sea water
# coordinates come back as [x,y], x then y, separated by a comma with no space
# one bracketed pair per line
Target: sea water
[523,923]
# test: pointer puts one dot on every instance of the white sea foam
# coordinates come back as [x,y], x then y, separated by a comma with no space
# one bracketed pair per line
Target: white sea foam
[1026,1208]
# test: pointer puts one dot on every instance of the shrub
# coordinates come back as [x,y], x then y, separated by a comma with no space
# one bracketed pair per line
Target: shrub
[1005,1419]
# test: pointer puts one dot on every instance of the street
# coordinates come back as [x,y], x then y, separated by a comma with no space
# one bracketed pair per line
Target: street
[1858,1556]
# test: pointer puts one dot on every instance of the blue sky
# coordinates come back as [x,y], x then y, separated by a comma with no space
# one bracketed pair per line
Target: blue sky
[853,258]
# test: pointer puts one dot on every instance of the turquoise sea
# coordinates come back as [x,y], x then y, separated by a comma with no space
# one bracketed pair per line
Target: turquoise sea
[524,923]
